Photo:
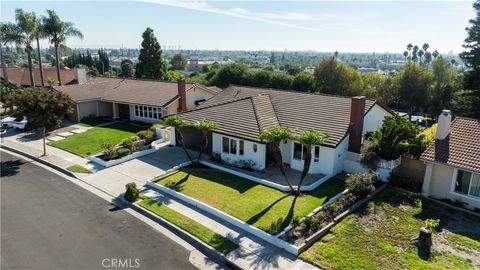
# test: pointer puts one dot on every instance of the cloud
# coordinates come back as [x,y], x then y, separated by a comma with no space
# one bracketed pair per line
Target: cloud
[271,18]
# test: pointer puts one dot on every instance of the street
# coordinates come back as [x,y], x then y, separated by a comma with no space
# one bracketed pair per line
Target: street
[47,222]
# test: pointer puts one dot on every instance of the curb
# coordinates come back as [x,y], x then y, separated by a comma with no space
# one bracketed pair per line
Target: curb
[44,162]
[122,203]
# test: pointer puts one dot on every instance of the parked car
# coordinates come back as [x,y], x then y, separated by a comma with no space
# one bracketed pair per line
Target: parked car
[2,130]
[7,121]
[20,123]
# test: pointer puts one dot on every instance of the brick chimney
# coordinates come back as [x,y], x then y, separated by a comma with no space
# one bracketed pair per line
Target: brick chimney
[182,92]
[443,125]
[357,113]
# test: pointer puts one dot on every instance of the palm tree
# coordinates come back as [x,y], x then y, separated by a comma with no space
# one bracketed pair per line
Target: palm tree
[425,47]
[308,139]
[205,127]
[178,123]
[405,54]
[39,33]
[435,54]
[58,32]
[277,135]
[23,33]
[8,32]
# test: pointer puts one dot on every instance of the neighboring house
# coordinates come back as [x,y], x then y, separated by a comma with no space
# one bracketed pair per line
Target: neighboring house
[242,113]
[139,100]
[20,76]
[453,161]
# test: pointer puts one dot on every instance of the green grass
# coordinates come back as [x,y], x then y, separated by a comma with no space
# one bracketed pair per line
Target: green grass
[93,121]
[203,233]
[90,142]
[378,236]
[78,169]
[265,208]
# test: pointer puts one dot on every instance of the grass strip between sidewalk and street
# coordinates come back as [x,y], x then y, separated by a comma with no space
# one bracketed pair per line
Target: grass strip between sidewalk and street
[78,169]
[200,231]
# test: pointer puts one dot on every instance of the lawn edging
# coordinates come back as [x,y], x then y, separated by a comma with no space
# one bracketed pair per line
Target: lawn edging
[264,182]
[322,232]
[230,219]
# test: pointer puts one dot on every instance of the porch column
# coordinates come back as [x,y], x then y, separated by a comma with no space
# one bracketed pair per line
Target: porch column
[115,111]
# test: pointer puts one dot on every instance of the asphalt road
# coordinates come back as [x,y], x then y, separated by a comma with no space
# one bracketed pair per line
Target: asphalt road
[47,222]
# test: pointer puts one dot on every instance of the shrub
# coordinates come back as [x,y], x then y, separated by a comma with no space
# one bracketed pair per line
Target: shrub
[121,152]
[370,160]
[154,127]
[132,192]
[361,184]
[109,150]
[431,224]
[147,135]
[129,143]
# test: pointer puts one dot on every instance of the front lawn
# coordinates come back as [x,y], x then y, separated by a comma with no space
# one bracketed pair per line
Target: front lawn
[93,121]
[203,233]
[78,169]
[90,142]
[266,208]
[379,236]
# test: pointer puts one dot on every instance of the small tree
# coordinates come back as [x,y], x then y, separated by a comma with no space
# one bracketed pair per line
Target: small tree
[360,184]
[309,138]
[205,127]
[132,192]
[178,123]
[178,62]
[126,68]
[43,109]
[277,135]
[51,81]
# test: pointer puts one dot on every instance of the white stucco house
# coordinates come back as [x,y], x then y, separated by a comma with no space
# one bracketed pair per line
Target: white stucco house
[134,99]
[242,113]
[453,161]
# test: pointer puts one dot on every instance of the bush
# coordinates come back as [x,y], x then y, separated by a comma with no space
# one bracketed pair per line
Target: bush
[154,127]
[147,135]
[370,159]
[109,150]
[132,192]
[129,143]
[431,224]
[361,184]
[121,152]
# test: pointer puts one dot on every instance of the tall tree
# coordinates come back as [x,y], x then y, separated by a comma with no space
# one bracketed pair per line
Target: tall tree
[335,78]
[413,84]
[205,127]
[58,31]
[445,83]
[39,34]
[178,62]
[8,33]
[303,82]
[471,58]
[229,74]
[43,109]
[308,139]
[151,64]
[277,135]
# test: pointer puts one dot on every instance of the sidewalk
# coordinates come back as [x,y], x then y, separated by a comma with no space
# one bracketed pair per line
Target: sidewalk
[253,253]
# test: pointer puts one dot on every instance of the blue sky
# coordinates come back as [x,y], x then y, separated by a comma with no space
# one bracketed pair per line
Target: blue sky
[355,26]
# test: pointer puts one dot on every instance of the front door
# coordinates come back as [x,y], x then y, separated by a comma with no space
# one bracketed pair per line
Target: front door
[269,155]
[124,111]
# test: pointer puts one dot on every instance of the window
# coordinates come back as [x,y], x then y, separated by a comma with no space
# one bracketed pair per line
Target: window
[226,145]
[255,147]
[241,148]
[316,155]
[148,112]
[299,151]
[468,183]
[233,146]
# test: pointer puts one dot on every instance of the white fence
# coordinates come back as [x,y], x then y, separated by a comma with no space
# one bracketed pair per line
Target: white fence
[351,164]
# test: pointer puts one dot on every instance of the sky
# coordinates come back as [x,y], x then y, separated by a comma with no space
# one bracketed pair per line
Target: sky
[344,26]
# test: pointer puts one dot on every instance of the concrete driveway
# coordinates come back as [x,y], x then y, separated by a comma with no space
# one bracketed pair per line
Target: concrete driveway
[138,170]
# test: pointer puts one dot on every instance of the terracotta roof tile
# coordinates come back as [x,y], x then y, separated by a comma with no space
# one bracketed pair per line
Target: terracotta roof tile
[461,148]
[20,76]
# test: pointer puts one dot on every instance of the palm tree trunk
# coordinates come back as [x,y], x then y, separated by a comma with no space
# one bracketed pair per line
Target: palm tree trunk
[306,167]
[44,144]
[40,63]
[4,65]
[30,68]
[182,144]
[278,159]
[58,65]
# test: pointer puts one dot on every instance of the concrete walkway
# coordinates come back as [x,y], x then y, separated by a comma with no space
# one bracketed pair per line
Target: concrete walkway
[253,253]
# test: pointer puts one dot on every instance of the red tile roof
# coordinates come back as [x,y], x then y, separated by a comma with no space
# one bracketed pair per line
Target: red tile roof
[20,76]
[461,148]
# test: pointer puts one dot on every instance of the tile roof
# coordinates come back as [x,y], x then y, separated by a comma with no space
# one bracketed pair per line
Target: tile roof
[21,75]
[246,111]
[129,91]
[461,148]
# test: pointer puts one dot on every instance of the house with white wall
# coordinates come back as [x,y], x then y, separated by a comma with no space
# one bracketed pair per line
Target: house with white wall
[453,161]
[134,99]
[242,113]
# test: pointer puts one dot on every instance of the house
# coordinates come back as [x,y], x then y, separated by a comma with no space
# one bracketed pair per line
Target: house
[242,113]
[139,100]
[453,161]
[20,76]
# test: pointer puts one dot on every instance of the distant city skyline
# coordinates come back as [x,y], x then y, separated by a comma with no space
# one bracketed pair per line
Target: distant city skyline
[356,26]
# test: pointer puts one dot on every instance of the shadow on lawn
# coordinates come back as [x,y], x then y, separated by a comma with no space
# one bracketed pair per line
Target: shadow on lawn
[178,186]
[229,180]
[282,222]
